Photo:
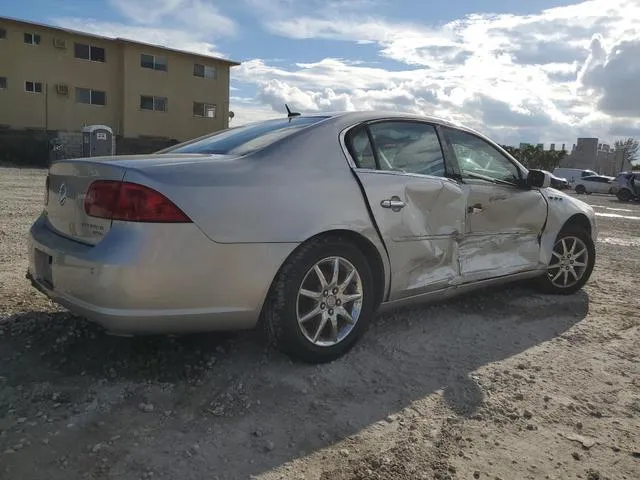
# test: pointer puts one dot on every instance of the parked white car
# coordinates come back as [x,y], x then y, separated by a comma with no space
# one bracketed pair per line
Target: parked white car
[594,184]
[573,174]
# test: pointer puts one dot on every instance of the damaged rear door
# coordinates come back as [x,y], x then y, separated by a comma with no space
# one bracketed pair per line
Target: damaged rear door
[420,213]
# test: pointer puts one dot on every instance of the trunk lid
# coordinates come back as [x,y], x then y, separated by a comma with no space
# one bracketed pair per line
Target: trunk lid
[69,181]
[68,184]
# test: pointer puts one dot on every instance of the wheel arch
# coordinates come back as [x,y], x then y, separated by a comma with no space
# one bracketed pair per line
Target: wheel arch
[364,244]
[579,220]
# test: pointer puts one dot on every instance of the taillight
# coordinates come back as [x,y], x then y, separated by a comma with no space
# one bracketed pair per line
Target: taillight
[130,202]
[46,191]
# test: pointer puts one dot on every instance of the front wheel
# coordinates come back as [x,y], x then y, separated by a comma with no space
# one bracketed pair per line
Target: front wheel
[624,195]
[581,190]
[321,301]
[572,262]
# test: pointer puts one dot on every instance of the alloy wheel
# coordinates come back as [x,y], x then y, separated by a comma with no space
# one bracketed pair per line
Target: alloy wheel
[329,301]
[569,262]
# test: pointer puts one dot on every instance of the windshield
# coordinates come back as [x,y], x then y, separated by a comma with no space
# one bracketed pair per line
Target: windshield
[245,139]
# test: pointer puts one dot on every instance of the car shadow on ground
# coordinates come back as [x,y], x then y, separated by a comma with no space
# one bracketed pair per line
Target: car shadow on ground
[226,403]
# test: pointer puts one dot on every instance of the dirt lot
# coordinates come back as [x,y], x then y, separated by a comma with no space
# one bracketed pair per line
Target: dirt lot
[504,384]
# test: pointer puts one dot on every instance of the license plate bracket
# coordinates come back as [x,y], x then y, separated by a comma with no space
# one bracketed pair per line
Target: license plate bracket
[43,263]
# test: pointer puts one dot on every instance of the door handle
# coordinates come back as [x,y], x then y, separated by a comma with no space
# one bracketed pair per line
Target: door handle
[475,208]
[394,203]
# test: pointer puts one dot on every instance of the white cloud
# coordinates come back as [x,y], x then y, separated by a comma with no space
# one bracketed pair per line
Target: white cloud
[612,75]
[172,38]
[191,15]
[249,111]
[189,25]
[534,74]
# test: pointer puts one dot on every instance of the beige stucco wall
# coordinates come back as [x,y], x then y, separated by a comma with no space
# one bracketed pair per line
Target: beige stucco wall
[20,62]
[121,77]
[180,87]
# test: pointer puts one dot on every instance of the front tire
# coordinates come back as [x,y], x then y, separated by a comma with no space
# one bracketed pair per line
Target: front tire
[581,190]
[624,195]
[571,264]
[321,301]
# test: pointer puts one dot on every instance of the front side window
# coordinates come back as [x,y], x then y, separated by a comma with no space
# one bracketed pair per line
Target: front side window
[479,159]
[245,139]
[410,147]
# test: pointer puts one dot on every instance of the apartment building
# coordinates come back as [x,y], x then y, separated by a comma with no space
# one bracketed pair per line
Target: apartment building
[61,80]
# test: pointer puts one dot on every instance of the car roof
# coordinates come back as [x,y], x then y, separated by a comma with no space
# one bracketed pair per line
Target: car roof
[345,119]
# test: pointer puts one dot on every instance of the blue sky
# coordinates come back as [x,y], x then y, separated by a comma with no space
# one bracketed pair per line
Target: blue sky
[535,70]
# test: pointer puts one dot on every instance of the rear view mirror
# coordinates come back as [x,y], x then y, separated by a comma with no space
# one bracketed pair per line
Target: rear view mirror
[538,179]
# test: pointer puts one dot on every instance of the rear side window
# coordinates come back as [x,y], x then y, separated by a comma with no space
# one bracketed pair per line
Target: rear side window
[245,139]
[410,147]
[402,146]
[360,148]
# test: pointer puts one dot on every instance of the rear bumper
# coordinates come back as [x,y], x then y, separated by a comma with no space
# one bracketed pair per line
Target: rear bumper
[148,278]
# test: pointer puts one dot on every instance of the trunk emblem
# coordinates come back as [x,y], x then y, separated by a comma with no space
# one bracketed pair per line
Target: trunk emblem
[62,194]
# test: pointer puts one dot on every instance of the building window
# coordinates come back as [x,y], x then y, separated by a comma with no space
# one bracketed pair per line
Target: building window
[88,52]
[3,83]
[33,87]
[149,102]
[90,97]
[3,33]
[204,110]
[155,62]
[32,38]
[204,71]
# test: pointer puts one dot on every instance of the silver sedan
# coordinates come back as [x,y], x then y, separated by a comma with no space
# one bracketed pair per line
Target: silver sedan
[304,225]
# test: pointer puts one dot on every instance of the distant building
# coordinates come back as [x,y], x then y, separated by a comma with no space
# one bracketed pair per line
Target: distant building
[590,154]
[552,147]
[56,79]
[584,155]
[540,145]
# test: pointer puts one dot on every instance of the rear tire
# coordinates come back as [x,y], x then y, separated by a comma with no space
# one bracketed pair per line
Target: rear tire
[574,256]
[287,306]
[580,190]
[624,195]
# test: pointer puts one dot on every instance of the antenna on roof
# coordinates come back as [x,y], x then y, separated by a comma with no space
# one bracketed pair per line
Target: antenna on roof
[291,114]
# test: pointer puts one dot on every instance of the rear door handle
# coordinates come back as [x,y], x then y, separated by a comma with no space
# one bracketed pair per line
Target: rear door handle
[476,208]
[394,203]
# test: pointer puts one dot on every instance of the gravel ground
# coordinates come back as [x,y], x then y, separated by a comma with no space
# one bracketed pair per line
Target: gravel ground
[504,384]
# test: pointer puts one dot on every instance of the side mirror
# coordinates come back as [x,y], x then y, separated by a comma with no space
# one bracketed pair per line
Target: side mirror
[538,179]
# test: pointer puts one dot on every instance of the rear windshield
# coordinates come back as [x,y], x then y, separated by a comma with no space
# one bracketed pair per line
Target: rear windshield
[245,139]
